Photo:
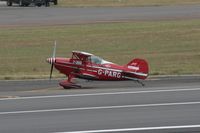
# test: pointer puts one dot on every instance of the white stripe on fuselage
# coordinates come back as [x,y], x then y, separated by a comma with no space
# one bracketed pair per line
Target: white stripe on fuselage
[98,67]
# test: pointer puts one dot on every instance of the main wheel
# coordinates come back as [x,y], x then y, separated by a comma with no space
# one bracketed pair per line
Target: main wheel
[9,2]
[67,85]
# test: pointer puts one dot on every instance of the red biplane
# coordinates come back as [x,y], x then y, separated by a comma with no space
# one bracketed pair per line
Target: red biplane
[88,66]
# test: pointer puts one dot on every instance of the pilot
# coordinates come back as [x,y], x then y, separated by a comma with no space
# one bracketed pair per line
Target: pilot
[96,60]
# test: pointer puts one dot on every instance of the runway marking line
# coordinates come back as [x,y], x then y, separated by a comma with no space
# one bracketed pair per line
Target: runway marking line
[100,94]
[100,107]
[135,129]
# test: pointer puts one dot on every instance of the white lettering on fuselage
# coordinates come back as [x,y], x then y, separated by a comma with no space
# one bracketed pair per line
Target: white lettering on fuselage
[109,73]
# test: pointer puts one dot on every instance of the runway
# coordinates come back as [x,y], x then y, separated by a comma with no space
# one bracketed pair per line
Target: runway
[29,16]
[163,105]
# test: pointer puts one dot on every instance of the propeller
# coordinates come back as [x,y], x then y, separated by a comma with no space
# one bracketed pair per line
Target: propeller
[52,60]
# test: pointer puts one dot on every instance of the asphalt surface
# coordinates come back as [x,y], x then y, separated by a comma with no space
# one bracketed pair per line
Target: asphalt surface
[20,16]
[171,104]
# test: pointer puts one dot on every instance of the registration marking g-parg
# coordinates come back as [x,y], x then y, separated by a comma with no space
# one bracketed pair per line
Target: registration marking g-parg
[109,73]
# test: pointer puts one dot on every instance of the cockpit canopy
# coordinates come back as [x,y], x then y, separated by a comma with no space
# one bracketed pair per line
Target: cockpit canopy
[96,59]
[87,57]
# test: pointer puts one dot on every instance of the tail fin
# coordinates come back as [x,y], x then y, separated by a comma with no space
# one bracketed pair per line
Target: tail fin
[140,67]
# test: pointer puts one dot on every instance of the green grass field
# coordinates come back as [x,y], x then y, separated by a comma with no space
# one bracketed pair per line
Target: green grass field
[171,47]
[86,3]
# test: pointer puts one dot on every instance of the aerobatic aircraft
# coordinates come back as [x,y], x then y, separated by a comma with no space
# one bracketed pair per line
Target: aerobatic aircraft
[87,66]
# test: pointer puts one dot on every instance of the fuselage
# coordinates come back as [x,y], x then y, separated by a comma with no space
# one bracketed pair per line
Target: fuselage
[92,71]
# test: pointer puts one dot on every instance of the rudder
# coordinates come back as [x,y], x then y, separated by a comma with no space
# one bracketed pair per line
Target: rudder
[140,66]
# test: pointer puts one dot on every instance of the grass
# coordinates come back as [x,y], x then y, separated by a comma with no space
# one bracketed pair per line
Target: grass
[97,3]
[171,47]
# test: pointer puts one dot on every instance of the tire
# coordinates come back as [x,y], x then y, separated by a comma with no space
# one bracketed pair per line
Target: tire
[9,2]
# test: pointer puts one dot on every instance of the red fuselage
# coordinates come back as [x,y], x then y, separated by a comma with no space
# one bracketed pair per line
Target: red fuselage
[88,66]
[92,71]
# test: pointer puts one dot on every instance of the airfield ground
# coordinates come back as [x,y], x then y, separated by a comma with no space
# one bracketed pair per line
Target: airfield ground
[171,47]
[167,36]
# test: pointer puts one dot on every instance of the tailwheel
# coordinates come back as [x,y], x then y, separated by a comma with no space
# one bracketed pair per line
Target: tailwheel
[67,85]
[140,82]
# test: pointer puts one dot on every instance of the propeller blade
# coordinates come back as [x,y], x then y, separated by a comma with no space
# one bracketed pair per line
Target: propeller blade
[51,71]
[54,50]
[53,60]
